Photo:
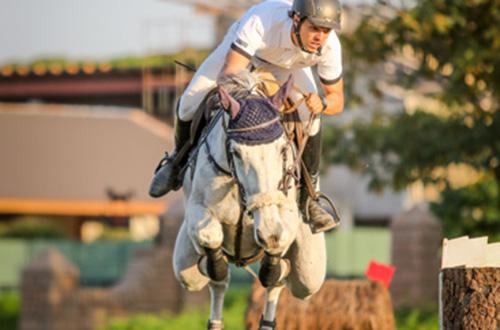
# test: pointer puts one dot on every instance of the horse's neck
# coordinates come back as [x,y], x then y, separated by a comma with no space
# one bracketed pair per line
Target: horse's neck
[217,141]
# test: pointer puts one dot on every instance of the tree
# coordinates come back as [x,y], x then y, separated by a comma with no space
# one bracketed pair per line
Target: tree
[455,47]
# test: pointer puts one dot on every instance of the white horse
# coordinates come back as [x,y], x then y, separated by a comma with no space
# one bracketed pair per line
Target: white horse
[238,209]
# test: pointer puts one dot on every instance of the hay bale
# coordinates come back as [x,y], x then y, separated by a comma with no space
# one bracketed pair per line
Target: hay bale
[353,305]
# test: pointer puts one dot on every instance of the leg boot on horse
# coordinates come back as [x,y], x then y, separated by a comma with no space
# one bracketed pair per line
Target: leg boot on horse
[166,177]
[319,219]
[272,270]
[217,267]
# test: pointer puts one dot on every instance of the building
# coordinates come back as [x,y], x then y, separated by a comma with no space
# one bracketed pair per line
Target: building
[86,163]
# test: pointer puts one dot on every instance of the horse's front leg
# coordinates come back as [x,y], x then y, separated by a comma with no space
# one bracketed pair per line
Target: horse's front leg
[268,319]
[274,236]
[217,291]
[273,270]
[208,236]
[207,233]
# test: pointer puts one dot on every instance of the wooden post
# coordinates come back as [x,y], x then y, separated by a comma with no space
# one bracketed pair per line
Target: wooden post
[470,284]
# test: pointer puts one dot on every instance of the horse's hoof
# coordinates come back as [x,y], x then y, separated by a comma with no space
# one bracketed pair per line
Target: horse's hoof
[215,325]
[270,270]
[217,268]
[266,325]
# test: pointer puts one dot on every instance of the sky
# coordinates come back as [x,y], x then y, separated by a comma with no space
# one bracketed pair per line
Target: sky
[98,29]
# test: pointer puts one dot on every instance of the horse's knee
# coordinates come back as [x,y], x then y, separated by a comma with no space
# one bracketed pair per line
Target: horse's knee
[208,234]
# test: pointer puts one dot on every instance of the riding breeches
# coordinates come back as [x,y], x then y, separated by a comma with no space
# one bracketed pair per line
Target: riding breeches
[205,80]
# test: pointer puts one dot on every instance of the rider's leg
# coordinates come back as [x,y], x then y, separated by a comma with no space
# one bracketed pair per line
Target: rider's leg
[166,176]
[319,219]
[167,173]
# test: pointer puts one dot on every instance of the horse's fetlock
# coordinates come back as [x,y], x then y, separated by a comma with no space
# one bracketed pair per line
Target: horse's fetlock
[215,325]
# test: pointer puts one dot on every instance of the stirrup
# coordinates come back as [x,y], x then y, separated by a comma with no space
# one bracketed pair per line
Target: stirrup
[335,214]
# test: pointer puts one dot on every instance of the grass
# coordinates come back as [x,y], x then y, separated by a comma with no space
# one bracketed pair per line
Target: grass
[9,310]
[425,318]
[234,311]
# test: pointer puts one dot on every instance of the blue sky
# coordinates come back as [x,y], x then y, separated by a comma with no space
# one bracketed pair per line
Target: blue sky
[98,29]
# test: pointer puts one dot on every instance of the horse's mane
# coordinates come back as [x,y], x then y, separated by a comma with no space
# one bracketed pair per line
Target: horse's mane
[242,85]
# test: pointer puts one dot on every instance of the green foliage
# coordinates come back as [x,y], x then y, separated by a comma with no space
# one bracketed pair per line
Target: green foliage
[470,210]
[9,310]
[31,228]
[404,148]
[234,312]
[453,47]
[425,318]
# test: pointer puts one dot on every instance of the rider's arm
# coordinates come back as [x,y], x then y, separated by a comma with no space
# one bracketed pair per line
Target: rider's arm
[235,62]
[334,97]
[332,103]
[330,76]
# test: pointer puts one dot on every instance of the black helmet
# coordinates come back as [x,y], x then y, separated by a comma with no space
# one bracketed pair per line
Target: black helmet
[323,13]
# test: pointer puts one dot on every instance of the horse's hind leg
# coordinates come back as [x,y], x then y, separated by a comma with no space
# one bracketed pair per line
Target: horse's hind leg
[217,291]
[268,319]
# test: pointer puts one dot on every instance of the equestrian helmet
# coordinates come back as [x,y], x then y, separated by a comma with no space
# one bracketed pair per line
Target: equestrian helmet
[322,13]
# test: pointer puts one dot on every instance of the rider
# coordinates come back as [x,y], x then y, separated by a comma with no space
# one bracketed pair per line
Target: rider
[281,38]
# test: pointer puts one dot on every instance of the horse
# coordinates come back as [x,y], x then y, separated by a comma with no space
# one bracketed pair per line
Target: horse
[240,207]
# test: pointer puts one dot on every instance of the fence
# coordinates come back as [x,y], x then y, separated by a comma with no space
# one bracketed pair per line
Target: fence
[100,263]
[104,263]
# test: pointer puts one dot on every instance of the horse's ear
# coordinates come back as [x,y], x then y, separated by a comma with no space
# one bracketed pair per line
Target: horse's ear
[279,98]
[228,102]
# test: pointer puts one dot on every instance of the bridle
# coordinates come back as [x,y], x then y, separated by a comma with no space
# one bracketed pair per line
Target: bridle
[250,203]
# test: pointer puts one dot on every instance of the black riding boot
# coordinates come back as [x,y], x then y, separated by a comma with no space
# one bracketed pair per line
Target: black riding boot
[319,219]
[166,177]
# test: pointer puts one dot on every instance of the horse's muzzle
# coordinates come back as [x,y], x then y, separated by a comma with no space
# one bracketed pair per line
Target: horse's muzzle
[271,233]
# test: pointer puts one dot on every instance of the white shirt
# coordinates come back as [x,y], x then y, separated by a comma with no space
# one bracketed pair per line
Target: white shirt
[264,32]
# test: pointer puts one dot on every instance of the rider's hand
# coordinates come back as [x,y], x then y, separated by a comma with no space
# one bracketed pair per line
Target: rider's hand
[314,103]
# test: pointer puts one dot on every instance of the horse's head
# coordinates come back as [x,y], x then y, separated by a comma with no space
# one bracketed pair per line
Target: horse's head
[260,154]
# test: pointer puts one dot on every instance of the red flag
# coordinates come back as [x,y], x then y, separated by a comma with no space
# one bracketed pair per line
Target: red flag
[380,272]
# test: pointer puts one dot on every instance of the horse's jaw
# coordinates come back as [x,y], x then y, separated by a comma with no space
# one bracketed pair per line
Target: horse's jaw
[275,228]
